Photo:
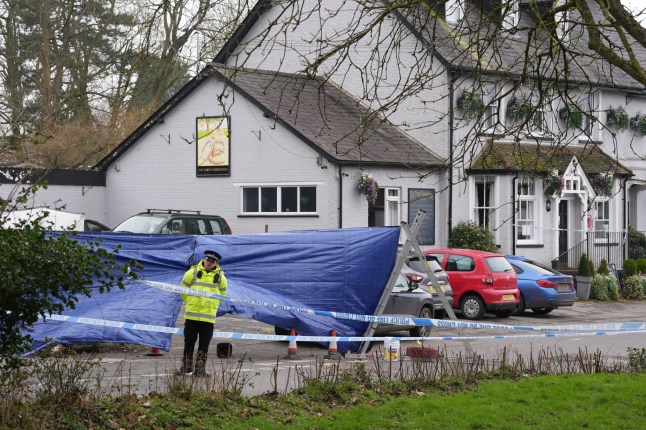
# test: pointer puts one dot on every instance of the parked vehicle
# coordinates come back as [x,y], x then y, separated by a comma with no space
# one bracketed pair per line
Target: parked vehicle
[53,219]
[414,266]
[409,300]
[94,226]
[542,289]
[481,282]
[172,221]
[406,299]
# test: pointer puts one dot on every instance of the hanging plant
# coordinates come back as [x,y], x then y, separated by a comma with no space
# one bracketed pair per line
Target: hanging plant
[368,187]
[519,109]
[470,103]
[553,184]
[617,118]
[638,124]
[572,115]
[602,184]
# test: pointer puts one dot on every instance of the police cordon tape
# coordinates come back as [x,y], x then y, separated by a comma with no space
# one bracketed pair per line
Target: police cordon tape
[609,327]
[251,336]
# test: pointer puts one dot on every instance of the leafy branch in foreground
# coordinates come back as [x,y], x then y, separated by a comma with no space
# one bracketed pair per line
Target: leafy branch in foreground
[46,272]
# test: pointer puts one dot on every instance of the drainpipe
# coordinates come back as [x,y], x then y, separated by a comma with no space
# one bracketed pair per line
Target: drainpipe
[340,196]
[513,214]
[625,220]
[453,77]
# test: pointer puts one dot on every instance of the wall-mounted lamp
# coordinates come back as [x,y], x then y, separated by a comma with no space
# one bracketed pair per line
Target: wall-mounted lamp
[548,205]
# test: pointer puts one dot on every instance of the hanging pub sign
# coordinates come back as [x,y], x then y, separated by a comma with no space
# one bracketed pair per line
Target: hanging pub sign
[213,149]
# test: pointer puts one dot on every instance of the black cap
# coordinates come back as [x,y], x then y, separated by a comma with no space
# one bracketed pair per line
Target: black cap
[212,254]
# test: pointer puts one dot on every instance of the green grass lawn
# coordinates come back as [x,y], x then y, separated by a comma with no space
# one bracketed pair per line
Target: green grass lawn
[575,401]
[582,401]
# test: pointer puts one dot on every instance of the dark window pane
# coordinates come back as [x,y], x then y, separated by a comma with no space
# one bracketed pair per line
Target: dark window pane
[308,199]
[269,199]
[288,199]
[250,199]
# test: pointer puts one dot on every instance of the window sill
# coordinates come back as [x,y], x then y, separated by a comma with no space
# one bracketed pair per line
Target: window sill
[279,215]
[540,136]
[586,139]
[530,245]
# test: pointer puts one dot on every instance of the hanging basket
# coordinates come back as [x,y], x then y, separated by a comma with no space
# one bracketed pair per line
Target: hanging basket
[553,184]
[602,184]
[368,187]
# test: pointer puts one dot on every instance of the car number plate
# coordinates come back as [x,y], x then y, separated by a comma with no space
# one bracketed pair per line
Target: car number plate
[431,288]
[509,297]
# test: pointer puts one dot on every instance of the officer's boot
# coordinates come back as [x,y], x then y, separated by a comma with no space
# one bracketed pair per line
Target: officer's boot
[187,366]
[200,365]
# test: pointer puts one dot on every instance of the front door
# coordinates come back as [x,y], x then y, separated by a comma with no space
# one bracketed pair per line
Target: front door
[563,231]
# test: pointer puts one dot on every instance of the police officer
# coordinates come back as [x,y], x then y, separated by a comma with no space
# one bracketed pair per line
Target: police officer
[200,311]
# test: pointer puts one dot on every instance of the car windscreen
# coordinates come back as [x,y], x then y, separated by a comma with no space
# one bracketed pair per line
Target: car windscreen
[537,267]
[498,264]
[418,266]
[139,224]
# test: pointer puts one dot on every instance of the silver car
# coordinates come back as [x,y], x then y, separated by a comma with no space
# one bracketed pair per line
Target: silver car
[414,267]
[409,300]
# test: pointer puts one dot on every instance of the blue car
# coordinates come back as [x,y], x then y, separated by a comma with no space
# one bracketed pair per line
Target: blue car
[541,289]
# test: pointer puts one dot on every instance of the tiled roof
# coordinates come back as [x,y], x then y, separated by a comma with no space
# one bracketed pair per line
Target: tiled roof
[479,44]
[329,119]
[541,159]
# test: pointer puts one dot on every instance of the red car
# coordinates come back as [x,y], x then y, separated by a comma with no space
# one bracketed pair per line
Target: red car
[481,282]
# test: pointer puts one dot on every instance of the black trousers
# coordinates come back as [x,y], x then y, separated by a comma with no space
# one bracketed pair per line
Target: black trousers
[192,330]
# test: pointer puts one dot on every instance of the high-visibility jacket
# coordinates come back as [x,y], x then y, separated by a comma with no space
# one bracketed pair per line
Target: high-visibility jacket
[202,308]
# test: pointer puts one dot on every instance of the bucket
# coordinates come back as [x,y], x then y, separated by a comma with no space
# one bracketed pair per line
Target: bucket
[391,350]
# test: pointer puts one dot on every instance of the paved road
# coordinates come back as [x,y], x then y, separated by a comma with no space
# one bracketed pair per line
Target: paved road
[259,366]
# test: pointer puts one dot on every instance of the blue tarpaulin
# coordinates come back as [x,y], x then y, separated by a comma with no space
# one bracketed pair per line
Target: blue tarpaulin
[342,270]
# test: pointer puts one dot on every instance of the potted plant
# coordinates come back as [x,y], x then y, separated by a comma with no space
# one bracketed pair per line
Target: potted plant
[617,118]
[470,103]
[583,278]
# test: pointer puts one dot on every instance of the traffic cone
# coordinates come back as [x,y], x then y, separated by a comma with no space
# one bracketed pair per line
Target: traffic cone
[292,349]
[332,351]
[154,352]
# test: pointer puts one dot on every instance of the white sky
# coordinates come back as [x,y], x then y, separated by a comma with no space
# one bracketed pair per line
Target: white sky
[635,5]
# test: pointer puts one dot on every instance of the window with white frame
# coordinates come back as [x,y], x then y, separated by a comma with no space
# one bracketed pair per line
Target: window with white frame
[490,115]
[284,199]
[526,219]
[562,22]
[484,207]
[588,106]
[539,123]
[602,219]
[386,210]
[453,11]
[510,14]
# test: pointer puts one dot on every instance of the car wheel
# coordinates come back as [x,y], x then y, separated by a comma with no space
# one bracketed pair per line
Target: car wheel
[505,313]
[520,309]
[424,330]
[472,307]
[542,311]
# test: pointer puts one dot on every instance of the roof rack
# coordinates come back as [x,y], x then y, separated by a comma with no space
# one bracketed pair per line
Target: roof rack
[172,211]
